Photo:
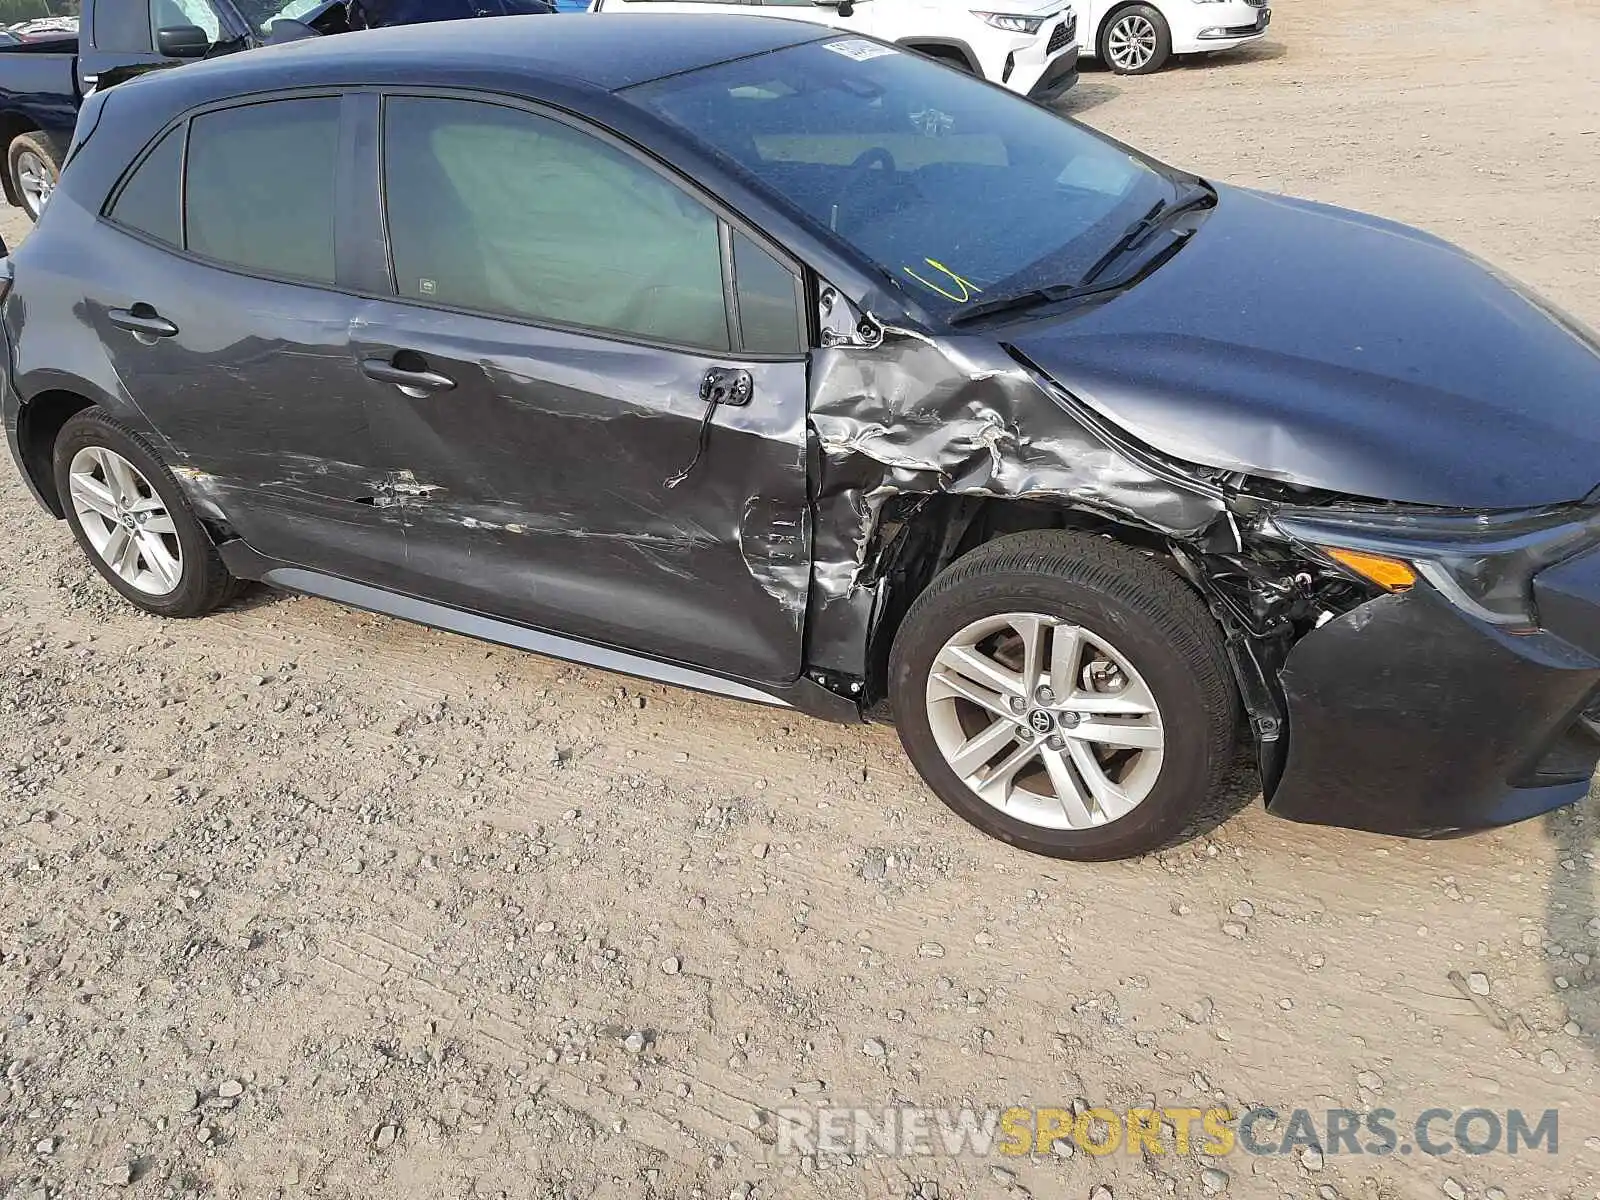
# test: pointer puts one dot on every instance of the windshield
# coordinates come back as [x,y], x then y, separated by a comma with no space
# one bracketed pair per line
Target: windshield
[262,13]
[958,190]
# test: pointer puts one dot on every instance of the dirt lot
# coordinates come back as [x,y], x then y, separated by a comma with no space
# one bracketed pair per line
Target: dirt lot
[300,901]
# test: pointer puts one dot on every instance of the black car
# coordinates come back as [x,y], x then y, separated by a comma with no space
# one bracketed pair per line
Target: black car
[757,358]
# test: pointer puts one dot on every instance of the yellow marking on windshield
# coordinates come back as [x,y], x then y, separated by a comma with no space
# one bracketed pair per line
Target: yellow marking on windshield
[968,288]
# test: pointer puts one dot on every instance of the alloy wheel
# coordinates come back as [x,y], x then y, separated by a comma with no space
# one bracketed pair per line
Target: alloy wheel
[1045,721]
[125,521]
[37,181]
[1132,42]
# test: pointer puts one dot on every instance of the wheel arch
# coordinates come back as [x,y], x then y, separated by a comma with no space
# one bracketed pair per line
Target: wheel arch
[933,531]
[1115,10]
[945,48]
[39,423]
[53,399]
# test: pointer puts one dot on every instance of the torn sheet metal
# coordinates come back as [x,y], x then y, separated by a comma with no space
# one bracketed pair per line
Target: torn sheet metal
[955,416]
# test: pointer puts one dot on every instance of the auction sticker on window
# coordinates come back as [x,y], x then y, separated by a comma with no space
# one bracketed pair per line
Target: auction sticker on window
[858,48]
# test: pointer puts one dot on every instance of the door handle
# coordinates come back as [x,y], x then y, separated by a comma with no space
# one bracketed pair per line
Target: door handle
[144,322]
[409,372]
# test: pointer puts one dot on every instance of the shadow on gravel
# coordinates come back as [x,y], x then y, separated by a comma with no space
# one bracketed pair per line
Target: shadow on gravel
[1239,792]
[1572,920]
[1241,56]
[1092,91]
[257,595]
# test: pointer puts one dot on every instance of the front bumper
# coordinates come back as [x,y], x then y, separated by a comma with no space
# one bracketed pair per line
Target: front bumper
[1220,26]
[1405,716]
[1060,77]
[1041,67]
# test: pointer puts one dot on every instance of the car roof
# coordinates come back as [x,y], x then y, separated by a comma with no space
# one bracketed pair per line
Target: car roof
[609,51]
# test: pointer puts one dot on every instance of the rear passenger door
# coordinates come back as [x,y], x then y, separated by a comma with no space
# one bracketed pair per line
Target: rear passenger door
[224,317]
[561,308]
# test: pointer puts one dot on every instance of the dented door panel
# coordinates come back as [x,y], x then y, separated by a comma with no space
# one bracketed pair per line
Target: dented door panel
[539,492]
[259,397]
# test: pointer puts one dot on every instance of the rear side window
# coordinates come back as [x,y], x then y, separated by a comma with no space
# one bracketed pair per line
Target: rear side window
[149,201]
[495,209]
[260,187]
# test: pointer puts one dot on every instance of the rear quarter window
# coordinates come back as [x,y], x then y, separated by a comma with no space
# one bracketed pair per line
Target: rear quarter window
[149,201]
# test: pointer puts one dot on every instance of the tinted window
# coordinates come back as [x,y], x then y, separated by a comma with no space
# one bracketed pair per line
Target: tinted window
[148,202]
[953,187]
[260,187]
[120,28]
[769,316]
[499,210]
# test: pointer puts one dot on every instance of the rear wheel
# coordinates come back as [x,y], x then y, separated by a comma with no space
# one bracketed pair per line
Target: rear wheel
[133,521]
[34,161]
[1136,41]
[1064,694]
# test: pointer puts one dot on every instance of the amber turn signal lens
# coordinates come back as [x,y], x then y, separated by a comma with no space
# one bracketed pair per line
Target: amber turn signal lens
[1388,573]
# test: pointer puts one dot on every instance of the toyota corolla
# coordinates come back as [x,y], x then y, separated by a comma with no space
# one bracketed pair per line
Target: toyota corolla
[763,359]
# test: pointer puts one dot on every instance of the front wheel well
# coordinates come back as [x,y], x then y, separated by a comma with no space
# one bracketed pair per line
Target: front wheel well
[38,425]
[945,52]
[1110,15]
[921,535]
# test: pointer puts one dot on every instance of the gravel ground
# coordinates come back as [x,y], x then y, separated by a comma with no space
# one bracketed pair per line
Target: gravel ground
[301,901]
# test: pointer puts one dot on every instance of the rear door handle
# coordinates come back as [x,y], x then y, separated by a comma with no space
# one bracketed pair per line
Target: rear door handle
[144,322]
[409,372]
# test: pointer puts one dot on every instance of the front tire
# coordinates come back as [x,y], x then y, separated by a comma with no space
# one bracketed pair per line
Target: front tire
[1136,41]
[133,521]
[34,161]
[1065,694]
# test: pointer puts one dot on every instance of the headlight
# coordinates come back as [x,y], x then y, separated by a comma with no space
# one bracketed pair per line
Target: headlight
[1010,21]
[1484,565]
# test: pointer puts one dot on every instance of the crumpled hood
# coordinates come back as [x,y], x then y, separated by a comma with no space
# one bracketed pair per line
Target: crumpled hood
[1336,350]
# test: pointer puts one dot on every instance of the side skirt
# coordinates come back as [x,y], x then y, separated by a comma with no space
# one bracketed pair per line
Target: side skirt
[804,694]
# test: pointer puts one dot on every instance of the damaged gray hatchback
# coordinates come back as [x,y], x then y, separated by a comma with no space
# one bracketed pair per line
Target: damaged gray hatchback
[755,358]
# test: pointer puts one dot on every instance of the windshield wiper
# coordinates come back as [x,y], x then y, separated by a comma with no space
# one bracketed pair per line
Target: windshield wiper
[1032,298]
[1161,212]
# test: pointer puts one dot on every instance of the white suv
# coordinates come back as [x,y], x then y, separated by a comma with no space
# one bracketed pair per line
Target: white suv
[1029,46]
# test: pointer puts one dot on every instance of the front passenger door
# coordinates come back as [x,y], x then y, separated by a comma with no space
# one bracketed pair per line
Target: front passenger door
[540,377]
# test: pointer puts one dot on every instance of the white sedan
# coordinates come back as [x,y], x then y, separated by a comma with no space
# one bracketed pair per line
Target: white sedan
[1029,46]
[1139,38]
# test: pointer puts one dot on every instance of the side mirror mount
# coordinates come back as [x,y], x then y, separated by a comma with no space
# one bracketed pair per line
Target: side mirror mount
[183,41]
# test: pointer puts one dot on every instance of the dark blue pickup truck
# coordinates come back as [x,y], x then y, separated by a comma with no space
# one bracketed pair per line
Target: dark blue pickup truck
[42,83]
